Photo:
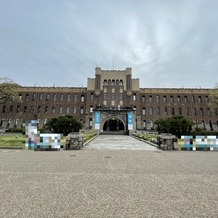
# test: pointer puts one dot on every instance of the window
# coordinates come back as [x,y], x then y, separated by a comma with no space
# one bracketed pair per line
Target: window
[91,109]
[150,99]
[81,110]
[54,97]
[206,99]
[11,108]
[208,112]
[40,97]
[39,109]
[158,111]
[82,98]
[143,99]
[121,96]
[171,99]
[60,109]
[27,97]
[121,83]
[178,99]
[143,111]
[193,99]
[32,109]
[194,111]
[91,97]
[113,83]
[33,97]
[18,109]
[75,98]
[68,110]
[105,82]
[53,109]
[180,111]
[25,109]
[62,97]
[151,111]
[172,111]
[158,99]
[68,98]
[74,110]
[46,109]
[134,97]
[185,99]
[164,99]
[144,124]
[187,111]
[201,112]
[3,109]
[199,99]
[165,111]
[47,97]
[113,97]
[20,96]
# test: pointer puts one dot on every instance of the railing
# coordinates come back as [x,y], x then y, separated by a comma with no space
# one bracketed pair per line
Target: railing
[113,108]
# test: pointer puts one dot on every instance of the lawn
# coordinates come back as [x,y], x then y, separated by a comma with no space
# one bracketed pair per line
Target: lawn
[11,140]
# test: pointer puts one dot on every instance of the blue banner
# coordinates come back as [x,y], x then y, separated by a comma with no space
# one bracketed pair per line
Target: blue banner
[130,118]
[97,117]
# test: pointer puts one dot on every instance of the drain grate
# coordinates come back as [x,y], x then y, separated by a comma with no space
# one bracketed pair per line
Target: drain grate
[107,157]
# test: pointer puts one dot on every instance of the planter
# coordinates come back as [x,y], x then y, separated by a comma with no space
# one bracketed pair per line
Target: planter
[74,140]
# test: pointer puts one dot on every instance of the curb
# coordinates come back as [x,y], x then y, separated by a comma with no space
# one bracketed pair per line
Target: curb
[150,143]
[11,147]
[87,142]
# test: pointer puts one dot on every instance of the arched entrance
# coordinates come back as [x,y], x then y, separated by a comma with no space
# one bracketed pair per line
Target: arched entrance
[113,124]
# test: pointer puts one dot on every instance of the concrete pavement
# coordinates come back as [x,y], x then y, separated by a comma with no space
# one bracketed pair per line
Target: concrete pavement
[108,183]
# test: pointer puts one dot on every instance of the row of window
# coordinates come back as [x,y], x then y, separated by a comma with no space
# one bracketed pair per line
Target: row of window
[112,82]
[106,97]
[54,97]
[172,111]
[145,111]
[46,109]
[172,99]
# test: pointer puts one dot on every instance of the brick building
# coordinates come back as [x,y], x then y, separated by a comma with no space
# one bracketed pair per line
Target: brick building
[112,101]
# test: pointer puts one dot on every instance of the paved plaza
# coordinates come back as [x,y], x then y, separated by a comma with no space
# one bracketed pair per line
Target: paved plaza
[108,183]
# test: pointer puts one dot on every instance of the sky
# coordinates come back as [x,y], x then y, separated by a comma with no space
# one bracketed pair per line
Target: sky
[167,43]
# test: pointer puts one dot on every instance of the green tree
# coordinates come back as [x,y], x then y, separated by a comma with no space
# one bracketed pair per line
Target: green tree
[8,91]
[213,97]
[63,124]
[176,125]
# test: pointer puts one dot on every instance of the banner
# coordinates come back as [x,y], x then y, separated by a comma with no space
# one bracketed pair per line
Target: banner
[130,121]
[97,120]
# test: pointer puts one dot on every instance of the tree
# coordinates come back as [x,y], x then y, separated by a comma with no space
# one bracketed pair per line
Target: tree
[213,97]
[63,124]
[8,91]
[176,125]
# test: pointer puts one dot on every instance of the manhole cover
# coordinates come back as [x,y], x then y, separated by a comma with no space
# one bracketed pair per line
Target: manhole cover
[157,152]
[73,155]
[107,157]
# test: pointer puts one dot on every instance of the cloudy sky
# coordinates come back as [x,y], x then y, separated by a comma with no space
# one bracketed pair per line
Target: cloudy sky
[167,43]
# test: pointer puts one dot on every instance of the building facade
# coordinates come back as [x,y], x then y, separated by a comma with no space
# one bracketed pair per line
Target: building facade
[112,101]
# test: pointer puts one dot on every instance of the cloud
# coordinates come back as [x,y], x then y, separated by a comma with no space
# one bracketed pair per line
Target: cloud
[167,43]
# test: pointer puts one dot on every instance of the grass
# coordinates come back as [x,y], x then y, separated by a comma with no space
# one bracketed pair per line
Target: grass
[10,140]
